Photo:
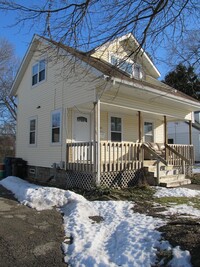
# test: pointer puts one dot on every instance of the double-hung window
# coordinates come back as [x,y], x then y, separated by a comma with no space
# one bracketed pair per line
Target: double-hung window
[116,129]
[32,131]
[137,73]
[38,72]
[128,66]
[122,64]
[148,132]
[56,117]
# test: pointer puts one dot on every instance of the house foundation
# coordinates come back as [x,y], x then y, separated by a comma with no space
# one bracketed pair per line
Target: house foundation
[61,178]
[84,180]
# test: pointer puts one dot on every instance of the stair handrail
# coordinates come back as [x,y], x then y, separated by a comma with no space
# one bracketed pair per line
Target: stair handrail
[158,157]
[177,153]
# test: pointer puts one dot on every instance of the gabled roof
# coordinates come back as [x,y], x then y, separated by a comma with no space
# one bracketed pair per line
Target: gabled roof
[102,66]
[135,48]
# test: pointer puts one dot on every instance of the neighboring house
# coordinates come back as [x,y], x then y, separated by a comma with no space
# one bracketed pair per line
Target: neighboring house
[98,118]
[178,133]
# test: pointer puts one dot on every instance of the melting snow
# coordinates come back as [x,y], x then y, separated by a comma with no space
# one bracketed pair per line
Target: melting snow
[122,238]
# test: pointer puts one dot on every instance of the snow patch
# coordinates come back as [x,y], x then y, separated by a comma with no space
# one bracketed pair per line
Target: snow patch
[176,192]
[122,238]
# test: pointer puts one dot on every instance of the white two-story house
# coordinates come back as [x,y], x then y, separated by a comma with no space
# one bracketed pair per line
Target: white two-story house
[98,117]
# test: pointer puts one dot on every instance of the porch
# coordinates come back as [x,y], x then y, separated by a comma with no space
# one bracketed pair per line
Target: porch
[122,139]
[125,163]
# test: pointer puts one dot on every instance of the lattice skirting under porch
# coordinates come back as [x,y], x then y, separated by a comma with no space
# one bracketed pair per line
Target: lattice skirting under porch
[188,169]
[84,180]
[122,179]
[61,178]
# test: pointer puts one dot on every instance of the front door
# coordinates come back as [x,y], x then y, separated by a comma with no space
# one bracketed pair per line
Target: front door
[82,134]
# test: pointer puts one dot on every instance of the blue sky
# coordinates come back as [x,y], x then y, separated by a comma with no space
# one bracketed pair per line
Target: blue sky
[21,37]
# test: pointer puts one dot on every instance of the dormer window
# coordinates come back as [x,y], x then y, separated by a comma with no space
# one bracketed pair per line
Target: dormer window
[137,71]
[133,69]
[38,72]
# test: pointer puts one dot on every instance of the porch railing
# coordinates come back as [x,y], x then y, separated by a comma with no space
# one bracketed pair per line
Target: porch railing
[118,156]
[176,154]
[81,156]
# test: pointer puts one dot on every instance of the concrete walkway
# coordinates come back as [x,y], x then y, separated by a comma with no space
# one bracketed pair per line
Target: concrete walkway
[28,237]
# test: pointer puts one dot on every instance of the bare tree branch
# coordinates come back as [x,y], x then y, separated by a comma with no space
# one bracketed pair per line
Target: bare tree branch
[8,67]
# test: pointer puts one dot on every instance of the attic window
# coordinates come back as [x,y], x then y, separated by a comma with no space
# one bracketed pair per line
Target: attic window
[38,72]
[128,66]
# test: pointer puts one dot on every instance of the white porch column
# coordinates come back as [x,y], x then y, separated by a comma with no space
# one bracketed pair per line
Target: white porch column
[190,132]
[98,144]
[165,131]
[165,137]
[97,155]
[139,127]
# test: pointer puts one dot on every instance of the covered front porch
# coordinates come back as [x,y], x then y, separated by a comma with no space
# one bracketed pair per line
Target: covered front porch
[130,161]
[122,137]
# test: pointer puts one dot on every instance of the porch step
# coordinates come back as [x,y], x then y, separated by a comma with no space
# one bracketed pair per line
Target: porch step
[164,170]
[169,178]
[176,183]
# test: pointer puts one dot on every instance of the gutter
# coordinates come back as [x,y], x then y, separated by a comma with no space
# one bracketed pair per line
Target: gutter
[151,90]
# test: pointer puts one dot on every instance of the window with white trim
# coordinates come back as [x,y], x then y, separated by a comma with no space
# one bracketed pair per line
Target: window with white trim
[116,129]
[128,66]
[137,71]
[32,131]
[39,72]
[56,116]
[148,132]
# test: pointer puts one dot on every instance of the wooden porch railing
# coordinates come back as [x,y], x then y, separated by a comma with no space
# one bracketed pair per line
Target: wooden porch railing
[81,156]
[120,156]
[176,154]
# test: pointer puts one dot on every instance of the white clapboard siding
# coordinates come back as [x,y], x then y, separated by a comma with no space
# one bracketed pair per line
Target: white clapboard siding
[54,93]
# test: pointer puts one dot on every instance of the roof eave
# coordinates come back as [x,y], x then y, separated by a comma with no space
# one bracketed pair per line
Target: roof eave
[194,104]
[23,64]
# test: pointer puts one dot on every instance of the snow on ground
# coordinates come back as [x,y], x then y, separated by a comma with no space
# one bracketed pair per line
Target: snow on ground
[176,192]
[122,238]
[182,210]
[178,209]
[196,168]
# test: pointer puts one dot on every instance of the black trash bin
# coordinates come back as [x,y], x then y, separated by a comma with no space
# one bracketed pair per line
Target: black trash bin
[8,166]
[19,168]
[15,167]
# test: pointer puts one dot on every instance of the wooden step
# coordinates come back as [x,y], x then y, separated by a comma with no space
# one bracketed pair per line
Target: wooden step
[176,177]
[175,183]
[152,170]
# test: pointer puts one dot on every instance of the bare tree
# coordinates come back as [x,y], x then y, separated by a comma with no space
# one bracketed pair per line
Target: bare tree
[186,51]
[85,24]
[8,106]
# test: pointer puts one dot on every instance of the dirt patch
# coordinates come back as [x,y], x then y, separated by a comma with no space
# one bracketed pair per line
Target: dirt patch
[186,234]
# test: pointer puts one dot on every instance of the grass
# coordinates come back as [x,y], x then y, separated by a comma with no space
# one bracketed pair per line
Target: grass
[171,201]
[142,193]
[195,179]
